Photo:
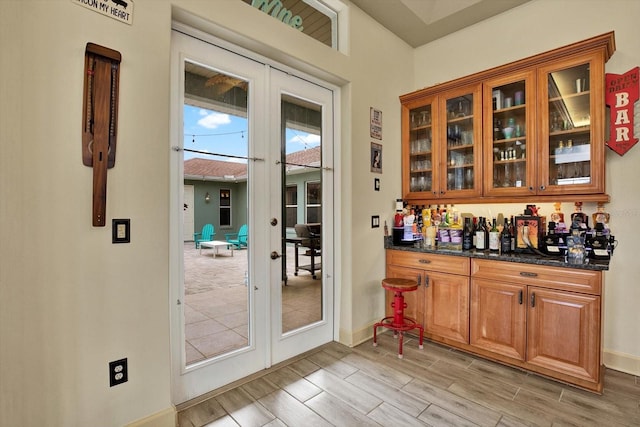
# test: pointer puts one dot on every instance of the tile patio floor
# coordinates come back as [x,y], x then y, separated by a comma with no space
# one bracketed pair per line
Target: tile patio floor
[216,300]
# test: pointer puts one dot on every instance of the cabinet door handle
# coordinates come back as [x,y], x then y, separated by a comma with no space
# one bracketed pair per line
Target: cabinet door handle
[419,279]
[533,300]
[542,187]
[520,296]
[528,274]
[424,261]
[530,188]
[426,281]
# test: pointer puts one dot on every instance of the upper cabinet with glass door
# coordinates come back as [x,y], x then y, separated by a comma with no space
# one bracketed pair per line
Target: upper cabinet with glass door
[419,158]
[509,132]
[462,152]
[442,140]
[533,127]
[572,126]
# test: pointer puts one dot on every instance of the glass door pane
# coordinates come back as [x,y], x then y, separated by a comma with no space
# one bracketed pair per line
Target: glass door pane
[420,149]
[510,131]
[569,105]
[460,143]
[216,262]
[301,165]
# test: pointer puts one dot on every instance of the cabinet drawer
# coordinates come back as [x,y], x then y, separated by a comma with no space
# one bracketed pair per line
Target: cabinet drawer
[574,280]
[428,261]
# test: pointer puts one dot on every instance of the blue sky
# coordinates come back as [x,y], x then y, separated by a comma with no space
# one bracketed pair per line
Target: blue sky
[213,132]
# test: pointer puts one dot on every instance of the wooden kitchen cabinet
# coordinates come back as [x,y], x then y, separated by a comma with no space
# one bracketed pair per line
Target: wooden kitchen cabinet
[533,127]
[498,318]
[447,307]
[531,316]
[563,333]
[442,145]
[509,131]
[442,305]
[572,116]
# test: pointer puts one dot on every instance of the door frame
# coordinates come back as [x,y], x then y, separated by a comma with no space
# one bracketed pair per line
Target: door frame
[180,392]
[187,212]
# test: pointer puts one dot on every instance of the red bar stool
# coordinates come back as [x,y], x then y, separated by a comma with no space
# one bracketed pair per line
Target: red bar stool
[398,322]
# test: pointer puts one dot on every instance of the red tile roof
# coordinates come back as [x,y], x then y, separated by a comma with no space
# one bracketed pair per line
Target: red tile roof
[201,168]
[214,168]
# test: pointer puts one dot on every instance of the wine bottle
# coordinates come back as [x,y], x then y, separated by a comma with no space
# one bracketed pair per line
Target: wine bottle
[467,235]
[481,241]
[505,238]
[513,231]
[474,227]
[494,238]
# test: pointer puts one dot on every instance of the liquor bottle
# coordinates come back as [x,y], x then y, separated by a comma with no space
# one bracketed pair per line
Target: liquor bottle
[580,217]
[552,241]
[512,231]
[467,235]
[558,217]
[575,244]
[481,240]
[505,238]
[601,216]
[443,216]
[474,229]
[599,243]
[398,220]
[426,216]
[494,238]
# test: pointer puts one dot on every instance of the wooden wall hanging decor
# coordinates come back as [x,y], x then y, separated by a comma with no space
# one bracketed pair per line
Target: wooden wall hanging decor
[621,96]
[100,120]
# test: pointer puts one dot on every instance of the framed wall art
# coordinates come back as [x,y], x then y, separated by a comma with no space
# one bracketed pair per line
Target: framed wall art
[376,157]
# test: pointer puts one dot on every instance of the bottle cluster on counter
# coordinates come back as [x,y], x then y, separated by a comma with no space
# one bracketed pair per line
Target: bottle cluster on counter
[443,227]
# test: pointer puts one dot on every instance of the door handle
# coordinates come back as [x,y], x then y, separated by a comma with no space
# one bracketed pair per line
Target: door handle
[275,255]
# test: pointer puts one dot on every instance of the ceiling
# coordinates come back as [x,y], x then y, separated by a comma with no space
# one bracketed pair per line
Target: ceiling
[418,22]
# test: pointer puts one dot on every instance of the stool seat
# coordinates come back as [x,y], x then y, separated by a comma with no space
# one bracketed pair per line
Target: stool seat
[397,284]
[398,322]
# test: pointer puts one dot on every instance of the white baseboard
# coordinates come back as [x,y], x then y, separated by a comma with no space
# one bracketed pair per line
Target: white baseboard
[355,338]
[166,418]
[622,362]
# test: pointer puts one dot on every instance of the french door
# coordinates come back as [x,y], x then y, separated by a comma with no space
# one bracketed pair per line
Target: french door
[245,135]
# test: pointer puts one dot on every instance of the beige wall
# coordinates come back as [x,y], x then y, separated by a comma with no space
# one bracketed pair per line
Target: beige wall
[70,301]
[539,26]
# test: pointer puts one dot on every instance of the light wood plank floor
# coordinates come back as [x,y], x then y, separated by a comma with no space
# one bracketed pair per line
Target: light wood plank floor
[335,385]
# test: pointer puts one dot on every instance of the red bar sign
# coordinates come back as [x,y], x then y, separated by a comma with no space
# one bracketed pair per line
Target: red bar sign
[622,93]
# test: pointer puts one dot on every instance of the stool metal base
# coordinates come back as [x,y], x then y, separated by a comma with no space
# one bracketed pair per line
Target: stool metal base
[398,323]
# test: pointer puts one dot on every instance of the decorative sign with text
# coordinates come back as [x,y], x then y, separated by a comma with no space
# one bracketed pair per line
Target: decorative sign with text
[120,10]
[622,93]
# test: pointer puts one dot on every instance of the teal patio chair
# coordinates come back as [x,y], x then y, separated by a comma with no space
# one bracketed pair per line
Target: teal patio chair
[206,235]
[239,239]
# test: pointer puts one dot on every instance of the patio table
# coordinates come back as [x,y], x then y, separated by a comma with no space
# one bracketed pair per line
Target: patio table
[215,244]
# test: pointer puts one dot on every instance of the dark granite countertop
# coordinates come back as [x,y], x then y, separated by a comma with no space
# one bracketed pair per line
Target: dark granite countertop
[523,258]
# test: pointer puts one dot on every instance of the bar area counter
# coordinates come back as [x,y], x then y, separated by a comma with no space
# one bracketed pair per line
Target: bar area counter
[524,258]
[529,311]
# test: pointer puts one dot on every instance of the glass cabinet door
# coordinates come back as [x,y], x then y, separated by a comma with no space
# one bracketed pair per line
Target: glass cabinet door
[572,160]
[420,147]
[460,173]
[509,133]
